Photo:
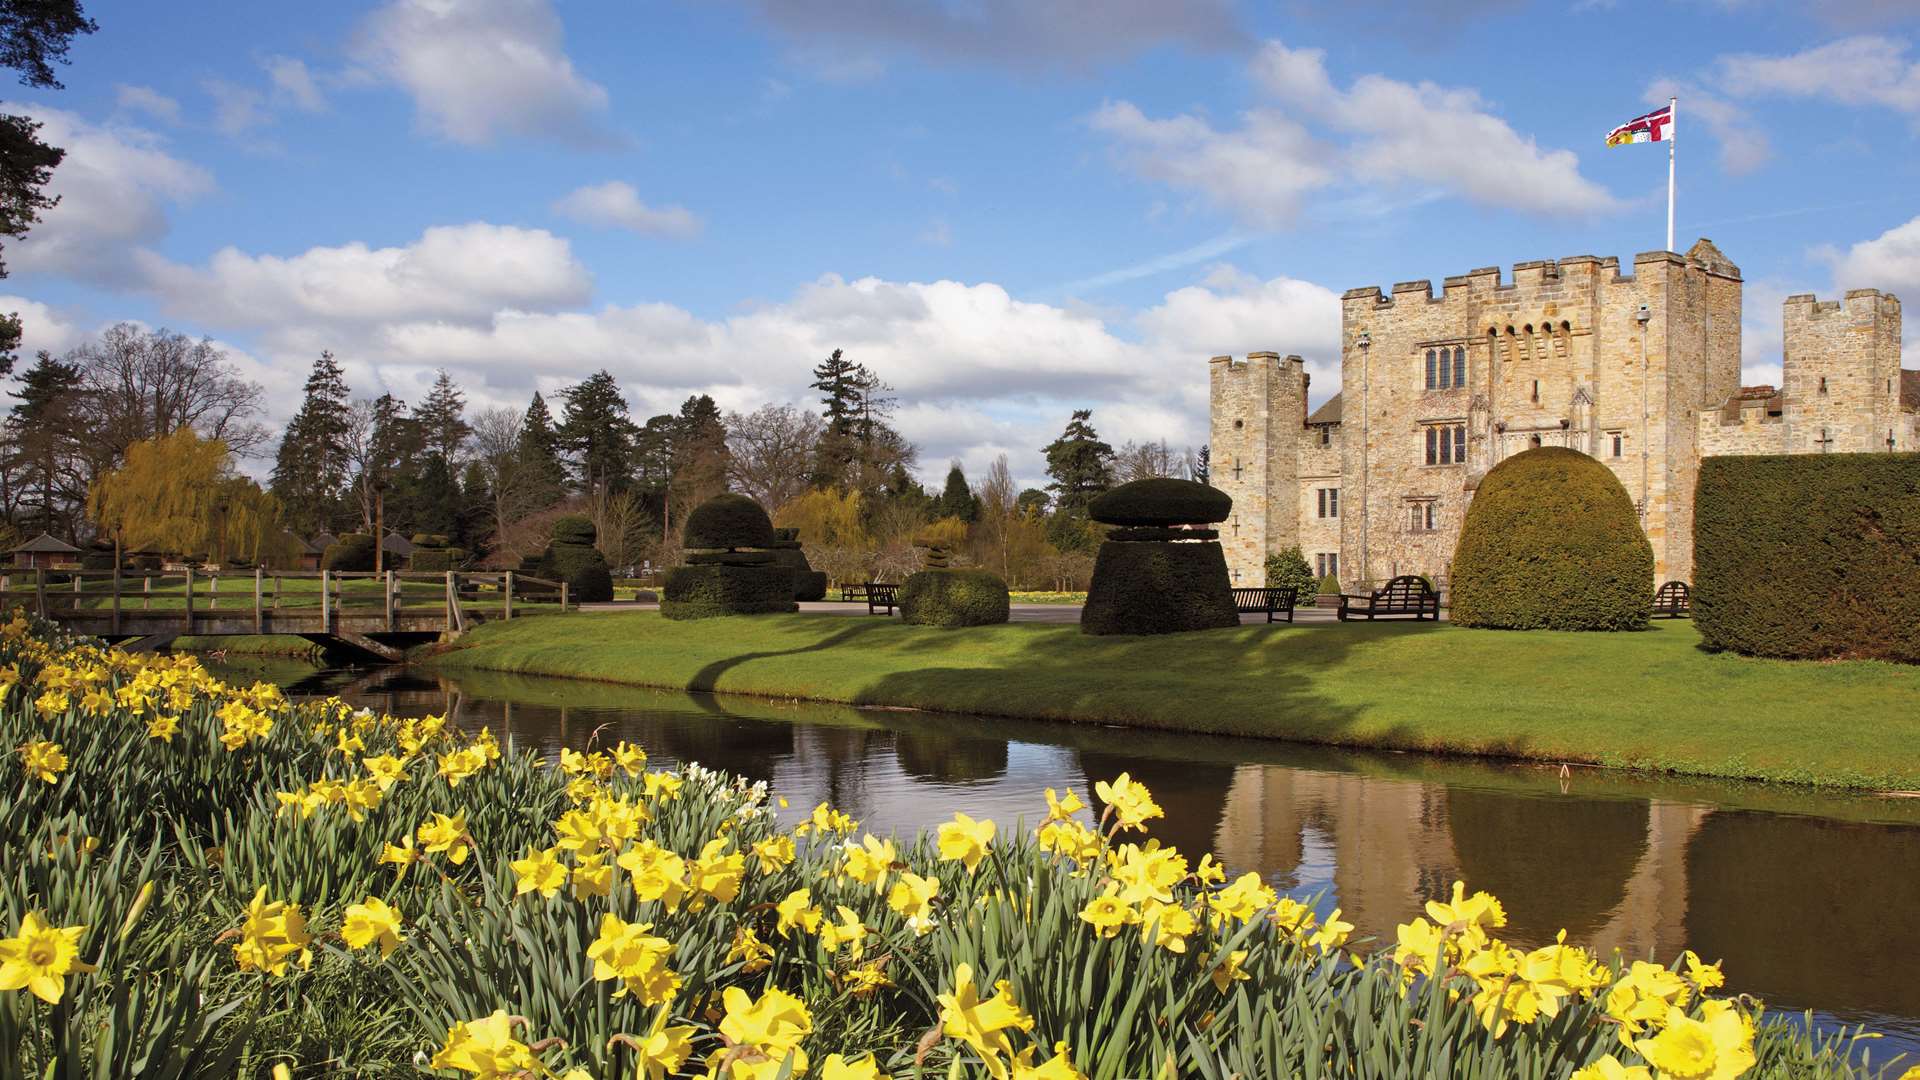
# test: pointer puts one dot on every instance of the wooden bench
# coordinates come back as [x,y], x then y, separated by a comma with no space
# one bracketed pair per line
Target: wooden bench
[881,596]
[852,593]
[1406,596]
[1674,600]
[1275,602]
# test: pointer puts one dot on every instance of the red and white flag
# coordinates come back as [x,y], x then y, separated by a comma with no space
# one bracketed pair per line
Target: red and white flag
[1656,126]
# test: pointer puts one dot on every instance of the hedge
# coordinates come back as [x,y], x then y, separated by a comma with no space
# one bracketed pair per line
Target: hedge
[704,591]
[1289,570]
[1552,542]
[1161,500]
[1809,556]
[354,551]
[1147,588]
[576,529]
[953,598]
[728,521]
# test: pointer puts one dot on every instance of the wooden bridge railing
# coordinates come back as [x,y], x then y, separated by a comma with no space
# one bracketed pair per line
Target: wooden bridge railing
[325,596]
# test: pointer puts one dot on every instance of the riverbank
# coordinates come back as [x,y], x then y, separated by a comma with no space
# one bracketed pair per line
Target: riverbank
[1651,700]
[272,645]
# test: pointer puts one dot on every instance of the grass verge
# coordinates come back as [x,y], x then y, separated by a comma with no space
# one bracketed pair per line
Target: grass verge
[1653,700]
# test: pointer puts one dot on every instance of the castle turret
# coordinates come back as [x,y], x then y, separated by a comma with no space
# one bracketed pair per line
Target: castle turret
[1259,410]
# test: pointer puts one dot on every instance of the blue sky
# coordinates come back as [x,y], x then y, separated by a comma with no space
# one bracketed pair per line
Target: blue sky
[1009,209]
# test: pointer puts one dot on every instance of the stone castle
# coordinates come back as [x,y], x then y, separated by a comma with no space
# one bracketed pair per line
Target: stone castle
[1640,370]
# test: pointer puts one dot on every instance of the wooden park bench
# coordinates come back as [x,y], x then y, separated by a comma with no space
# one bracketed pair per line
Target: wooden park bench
[1674,600]
[1404,596]
[1275,602]
[881,596]
[852,593]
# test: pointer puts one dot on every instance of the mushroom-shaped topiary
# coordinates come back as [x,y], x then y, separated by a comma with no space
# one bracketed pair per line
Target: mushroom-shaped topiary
[576,529]
[1552,541]
[1161,500]
[726,522]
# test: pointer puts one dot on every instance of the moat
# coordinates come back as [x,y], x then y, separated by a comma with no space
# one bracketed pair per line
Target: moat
[1809,898]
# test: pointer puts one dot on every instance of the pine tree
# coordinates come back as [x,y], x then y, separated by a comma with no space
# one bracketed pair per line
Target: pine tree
[957,500]
[699,452]
[310,471]
[1202,471]
[539,450]
[44,434]
[597,433]
[442,420]
[839,379]
[1080,464]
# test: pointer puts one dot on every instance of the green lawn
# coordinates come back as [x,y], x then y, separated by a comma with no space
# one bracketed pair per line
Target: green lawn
[1651,700]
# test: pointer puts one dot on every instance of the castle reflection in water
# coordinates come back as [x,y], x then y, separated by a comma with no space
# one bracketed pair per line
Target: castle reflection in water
[1807,908]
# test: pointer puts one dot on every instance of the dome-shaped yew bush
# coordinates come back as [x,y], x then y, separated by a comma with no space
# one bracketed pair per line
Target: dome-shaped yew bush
[1161,500]
[1552,542]
[729,521]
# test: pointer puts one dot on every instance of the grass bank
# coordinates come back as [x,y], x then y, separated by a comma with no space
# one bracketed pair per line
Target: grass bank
[250,645]
[1651,700]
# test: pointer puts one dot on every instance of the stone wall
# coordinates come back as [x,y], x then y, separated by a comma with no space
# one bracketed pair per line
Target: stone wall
[1258,409]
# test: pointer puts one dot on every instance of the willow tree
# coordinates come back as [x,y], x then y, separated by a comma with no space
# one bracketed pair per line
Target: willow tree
[180,494]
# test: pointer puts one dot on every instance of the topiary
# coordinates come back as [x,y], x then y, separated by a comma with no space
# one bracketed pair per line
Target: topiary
[353,551]
[1329,586]
[728,521]
[943,597]
[1552,541]
[575,529]
[1161,500]
[808,583]
[437,559]
[703,590]
[583,568]
[1289,570]
[1158,588]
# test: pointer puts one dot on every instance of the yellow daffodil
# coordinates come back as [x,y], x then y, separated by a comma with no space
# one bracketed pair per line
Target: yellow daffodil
[868,862]
[1129,801]
[986,1024]
[1609,1068]
[402,856]
[912,899]
[592,876]
[1331,934]
[43,759]
[716,872]
[1057,1067]
[541,871]
[860,1068]
[866,978]
[768,1028]
[39,958]
[964,840]
[1475,914]
[847,931]
[825,819]
[749,951]
[796,910]
[369,922]
[663,787]
[656,873]
[1226,972]
[1717,1046]
[1241,901]
[625,951]
[663,1049]
[774,853]
[162,727]
[631,759]
[1702,975]
[272,934]
[1108,913]
[485,1048]
[1167,925]
[1059,809]
[447,835]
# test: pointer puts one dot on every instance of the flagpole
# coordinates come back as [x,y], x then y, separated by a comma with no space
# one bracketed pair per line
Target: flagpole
[1673,120]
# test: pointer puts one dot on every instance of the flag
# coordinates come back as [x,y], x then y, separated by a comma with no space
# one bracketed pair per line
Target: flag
[1653,127]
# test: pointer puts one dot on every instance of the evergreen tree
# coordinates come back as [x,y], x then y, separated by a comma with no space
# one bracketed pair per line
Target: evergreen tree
[394,462]
[442,418]
[699,453]
[310,471]
[45,466]
[441,428]
[957,500]
[1203,466]
[597,434]
[1080,464]
[839,379]
[539,450]
[1031,501]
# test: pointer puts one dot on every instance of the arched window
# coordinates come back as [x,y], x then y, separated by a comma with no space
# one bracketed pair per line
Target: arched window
[1430,370]
[1460,365]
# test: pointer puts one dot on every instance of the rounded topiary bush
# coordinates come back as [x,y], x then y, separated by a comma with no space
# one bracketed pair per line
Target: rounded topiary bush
[729,521]
[354,551]
[944,597]
[584,570]
[702,591]
[437,559]
[1158,588]
[1552,541]
[576,529]
[1161,500]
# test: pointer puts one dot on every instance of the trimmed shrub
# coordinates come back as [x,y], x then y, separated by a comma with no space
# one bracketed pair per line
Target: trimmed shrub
[437,559]
[1329,586]
[1147,588]
[584,570]
[576,529]
[731,558]
[729,521]
[953,598]
[1289,570]
[1552,542]
[431,540]
[1161,500]
[1162,532]
[808,583]
[1809,556]
[353,551]
[704,591]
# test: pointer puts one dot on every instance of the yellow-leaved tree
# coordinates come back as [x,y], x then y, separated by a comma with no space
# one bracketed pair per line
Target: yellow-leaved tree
[180,494]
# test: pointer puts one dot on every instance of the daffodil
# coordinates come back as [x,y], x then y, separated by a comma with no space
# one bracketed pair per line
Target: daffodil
[1225,972]
[162,727]
[272,934]
[863,1067]
[485,1048]
[717,873]
[625,951]
[964,840]
[749,951]
[1129,801]
[847,931]
[1609,1068]
[402,855]
[774,853]
[1057,1067]
[663,1049]
[39,958]
[796,911]
[912,899]
[768,1028]
[985,1024]
[592,876]
[445,834]
[656,873]
[43,759]
[631,759]
[541,871]
[1717,1046]
[369,922]
[1059,809]
[1107,913]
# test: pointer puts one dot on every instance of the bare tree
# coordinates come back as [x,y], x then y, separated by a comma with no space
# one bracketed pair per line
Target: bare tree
[770,452]
[358,441]
[1143,461]
[999,505]
[515,487]
[624,528]
[140,384]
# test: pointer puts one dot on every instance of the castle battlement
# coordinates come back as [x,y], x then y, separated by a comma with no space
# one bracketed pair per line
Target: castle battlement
[1809,306]
[1547,273]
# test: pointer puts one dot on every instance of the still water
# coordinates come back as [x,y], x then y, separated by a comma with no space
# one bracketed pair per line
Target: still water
[1813,901]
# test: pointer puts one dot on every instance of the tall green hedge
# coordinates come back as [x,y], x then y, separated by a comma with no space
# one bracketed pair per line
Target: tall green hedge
[1158,588]
[704,591]
[1812,555]
[1552,542]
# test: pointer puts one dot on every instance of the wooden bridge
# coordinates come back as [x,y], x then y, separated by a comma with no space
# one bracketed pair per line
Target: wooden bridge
[374,615]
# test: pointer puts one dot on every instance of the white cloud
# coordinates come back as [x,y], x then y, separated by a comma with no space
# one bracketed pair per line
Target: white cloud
[1379,131]
[1744,147]
[615,204]
[1016,33]
[147,100]
[1889,262]
[480,68]
[236,109]
[41,326]
[452,274]
[1862,70]
[294,84]
[1232,313]
[114,187]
